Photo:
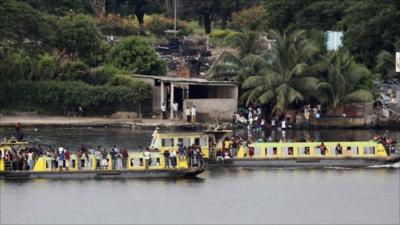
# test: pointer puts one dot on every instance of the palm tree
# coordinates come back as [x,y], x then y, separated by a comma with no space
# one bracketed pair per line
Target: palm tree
[341,82]
[246,42]
[237,69]
[287,76]
[246,63]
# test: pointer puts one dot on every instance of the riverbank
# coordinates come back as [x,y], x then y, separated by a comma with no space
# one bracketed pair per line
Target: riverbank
[55,121]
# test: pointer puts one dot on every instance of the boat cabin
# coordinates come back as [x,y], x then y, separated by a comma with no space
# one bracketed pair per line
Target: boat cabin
[313,149]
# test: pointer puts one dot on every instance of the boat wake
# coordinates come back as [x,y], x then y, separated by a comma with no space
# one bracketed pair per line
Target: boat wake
[393,165]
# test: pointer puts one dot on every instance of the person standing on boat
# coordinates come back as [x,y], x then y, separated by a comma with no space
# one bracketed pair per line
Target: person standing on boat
[173,158]
[98,157]
[66,157]
[124,158]
[113,154]
[147,156]
[61,162]
[163,111]
[166,158]
[193,113]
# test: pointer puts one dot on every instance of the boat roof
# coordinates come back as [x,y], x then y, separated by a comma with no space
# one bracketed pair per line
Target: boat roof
[314,143]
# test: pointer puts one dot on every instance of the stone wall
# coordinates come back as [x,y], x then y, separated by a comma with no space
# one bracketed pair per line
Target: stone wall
[220,109]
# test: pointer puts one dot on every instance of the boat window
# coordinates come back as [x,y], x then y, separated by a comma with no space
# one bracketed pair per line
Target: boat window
[369,150]
[275,151]
[197,141]
[287,151]
[306,150]
[133,162]
[269,151]
[352,149]
[167,142]
[184,141]
[290,151]
[204,142]
[301,150]
[257,150]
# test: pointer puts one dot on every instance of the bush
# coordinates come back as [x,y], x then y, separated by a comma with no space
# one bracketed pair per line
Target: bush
[136,56]
[79,36]
[56,97]
[157,24]
[249,19]
[74,71]
[118,25]
[218,36]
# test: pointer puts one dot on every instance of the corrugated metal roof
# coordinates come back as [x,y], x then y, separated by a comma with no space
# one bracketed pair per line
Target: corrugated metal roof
[189,80]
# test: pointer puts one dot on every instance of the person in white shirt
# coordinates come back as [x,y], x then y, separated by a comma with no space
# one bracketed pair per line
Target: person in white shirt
[175,110]
[163,111]
[147,157]
[193,113]
[283,124]
[187,114]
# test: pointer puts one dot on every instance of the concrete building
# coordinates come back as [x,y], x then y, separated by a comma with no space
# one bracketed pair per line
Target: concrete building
[215,100]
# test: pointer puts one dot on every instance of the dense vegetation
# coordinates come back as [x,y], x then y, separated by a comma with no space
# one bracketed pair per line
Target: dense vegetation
[44,44]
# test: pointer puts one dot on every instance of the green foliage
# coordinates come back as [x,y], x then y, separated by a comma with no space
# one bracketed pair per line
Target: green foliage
[249,19]
[217,36]
[157,24]
[385,66]
[103,74]
[343,81]
[20,22]
[285,78]
[117,25]
[61,8]
[46,67]
[79,36]
[371,27]
[75,71]
[248,42]
[135,55]
[16,65]
[57,97]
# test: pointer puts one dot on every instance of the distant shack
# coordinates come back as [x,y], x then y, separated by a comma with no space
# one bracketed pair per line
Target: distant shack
[214,100]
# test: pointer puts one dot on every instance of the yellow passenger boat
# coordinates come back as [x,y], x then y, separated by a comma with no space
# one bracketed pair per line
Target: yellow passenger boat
[136,166]
[273,154]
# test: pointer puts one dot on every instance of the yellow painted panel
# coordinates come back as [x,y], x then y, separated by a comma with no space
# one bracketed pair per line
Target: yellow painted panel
[40,164]
[1,165]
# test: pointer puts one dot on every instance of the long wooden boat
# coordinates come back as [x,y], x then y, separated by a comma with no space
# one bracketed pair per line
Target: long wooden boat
[309,154]
[136,166]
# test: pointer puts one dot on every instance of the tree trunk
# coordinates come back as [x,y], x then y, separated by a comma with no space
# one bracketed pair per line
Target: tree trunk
[207,23]
[139,13]
[223,23]
[99,7]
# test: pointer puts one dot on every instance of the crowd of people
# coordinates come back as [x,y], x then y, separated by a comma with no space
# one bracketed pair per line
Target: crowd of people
[100,158]
[389,143]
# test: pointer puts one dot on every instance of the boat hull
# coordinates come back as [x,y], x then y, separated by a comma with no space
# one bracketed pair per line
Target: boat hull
[306,163]
[106,174]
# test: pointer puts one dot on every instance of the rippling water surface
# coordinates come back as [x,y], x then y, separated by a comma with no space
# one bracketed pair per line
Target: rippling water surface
[286,196]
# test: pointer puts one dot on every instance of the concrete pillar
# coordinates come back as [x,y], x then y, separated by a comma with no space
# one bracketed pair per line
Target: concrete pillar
[172,101]
[162,95]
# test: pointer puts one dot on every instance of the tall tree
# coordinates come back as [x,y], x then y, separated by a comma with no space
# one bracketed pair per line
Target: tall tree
[341,82]
[20,22]
[286,77]
[370,27]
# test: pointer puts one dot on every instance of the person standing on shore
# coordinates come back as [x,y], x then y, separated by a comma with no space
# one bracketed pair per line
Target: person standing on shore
[193,113]
[175,110]
[163,111]
[187,114]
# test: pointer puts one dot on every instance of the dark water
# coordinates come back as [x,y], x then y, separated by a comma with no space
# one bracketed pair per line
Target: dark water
[286,196]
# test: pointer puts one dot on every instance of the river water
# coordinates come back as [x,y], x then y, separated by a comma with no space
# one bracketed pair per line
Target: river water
[223,196]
